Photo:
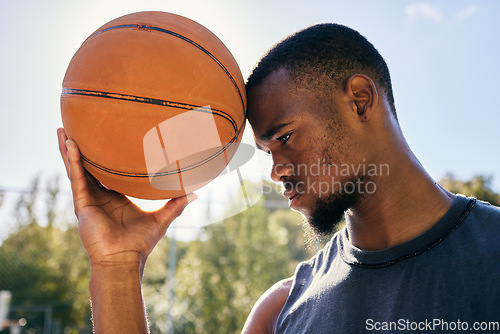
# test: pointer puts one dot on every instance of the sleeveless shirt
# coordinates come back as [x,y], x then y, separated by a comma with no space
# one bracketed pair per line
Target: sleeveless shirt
[447,279]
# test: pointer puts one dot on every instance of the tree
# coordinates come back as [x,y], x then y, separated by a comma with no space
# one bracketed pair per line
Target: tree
[478,186]
[44,265]
[156,283]
[221,275]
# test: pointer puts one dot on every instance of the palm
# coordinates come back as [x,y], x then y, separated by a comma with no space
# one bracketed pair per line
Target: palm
[110,225]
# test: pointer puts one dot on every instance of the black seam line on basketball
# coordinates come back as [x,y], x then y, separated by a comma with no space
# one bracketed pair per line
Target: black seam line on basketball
[468,209]
[159,174]
[184,38]
[148,100]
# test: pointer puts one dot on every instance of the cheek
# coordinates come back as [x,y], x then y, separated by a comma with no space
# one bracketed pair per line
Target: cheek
[310,160]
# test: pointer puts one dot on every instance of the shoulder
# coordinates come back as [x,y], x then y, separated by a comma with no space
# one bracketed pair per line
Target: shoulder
[264,314]
[488,210]
[476,237]
[485,218]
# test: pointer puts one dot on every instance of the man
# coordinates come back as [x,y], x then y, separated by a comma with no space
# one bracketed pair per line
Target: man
[411,255]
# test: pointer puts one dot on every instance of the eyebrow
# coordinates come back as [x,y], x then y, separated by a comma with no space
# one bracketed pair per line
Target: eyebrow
[272,131]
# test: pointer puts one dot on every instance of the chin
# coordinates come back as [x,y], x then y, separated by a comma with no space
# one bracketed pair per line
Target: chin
[301,205]
[328,213]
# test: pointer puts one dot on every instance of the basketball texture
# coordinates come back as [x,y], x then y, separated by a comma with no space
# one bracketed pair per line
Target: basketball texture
[156,104]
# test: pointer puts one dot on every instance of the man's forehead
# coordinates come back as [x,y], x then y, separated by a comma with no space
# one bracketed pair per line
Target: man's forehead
[267,100]
[269,119]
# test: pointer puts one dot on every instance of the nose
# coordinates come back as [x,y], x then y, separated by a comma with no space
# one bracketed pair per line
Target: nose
[280,170]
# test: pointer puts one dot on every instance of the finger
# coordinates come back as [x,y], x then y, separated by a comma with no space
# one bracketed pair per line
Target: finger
[76,171]
[82,182]
[172,209]
[61,136]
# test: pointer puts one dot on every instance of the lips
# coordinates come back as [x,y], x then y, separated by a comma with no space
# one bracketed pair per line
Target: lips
[292,196]
[289,194]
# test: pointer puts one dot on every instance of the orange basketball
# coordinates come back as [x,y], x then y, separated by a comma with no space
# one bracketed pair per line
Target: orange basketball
[156,104]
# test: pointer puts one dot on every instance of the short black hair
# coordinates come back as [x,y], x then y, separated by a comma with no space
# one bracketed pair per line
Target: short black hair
[324,54]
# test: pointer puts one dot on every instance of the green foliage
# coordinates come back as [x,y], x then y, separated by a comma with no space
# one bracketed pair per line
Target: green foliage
[479,187]
[219,276]
[156,282]
[223,273]
[239,260]
[44,266]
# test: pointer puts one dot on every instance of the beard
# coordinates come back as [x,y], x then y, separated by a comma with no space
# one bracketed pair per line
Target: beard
[328,214]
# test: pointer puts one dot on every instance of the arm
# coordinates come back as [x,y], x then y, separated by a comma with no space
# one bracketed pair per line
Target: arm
[264,314]
[118,237]
[116,299]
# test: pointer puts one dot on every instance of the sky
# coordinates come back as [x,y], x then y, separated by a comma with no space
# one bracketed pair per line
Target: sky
[442,55]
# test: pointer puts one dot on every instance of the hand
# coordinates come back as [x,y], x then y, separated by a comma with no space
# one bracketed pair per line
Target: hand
[113,230]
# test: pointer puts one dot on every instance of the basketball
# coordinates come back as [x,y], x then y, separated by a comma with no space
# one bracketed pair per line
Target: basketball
[156,104]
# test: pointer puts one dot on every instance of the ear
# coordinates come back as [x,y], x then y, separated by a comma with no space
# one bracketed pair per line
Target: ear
[363,95]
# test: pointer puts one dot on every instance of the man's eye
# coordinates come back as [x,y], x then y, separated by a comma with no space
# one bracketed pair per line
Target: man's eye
[285,138]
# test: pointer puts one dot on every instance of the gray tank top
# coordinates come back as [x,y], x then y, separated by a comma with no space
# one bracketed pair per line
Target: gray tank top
[447,279]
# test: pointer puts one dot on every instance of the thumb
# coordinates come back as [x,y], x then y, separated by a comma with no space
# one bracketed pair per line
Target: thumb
[172,209]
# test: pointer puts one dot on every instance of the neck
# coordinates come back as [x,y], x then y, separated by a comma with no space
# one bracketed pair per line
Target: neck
[406,203]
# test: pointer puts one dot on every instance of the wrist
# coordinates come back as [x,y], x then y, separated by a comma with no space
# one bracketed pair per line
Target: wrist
[119,267]
[116,294]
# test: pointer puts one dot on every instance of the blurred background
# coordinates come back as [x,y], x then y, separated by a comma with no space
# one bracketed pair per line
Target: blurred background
[205,276]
